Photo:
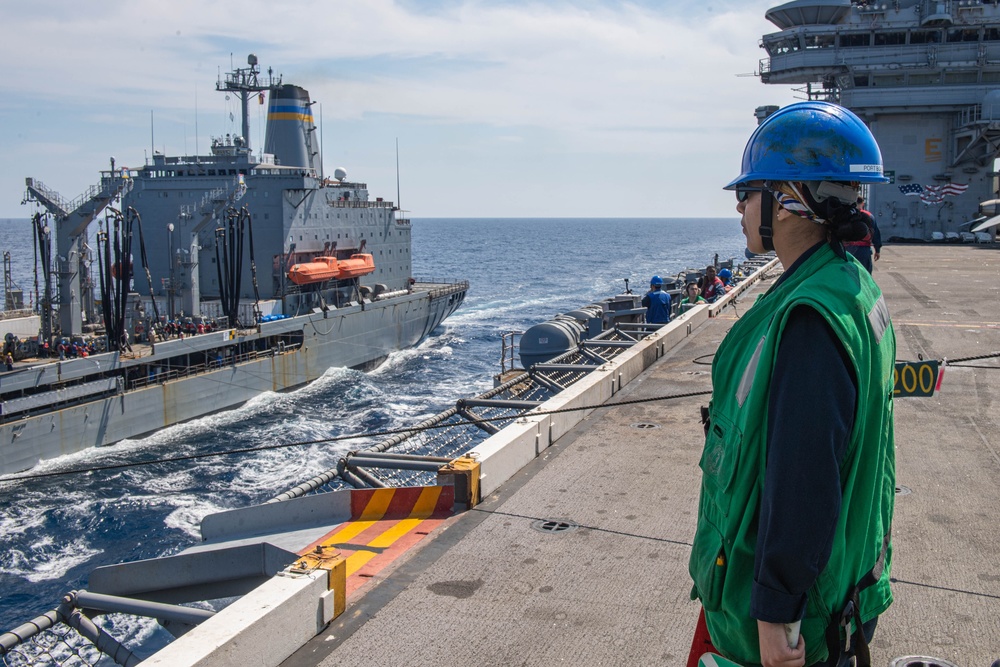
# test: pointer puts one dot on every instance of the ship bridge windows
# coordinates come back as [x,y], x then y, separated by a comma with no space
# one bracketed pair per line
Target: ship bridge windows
[861,80]
[925,37]
[963,35]
[889,38]
[819,41]
[855,39]
[991,34]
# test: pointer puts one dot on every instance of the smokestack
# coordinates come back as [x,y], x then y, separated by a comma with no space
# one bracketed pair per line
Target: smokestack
[291,132]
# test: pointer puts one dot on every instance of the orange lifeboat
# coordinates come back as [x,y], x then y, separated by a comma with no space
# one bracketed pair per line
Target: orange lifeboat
[356,266]
[318,270]
[330,268]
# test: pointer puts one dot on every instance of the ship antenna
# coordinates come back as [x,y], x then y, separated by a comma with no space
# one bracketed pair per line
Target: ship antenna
[152,140]
[242,82]
[399,203]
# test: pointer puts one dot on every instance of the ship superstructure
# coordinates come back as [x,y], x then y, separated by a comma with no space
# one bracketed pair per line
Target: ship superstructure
[925,76]
[298,214]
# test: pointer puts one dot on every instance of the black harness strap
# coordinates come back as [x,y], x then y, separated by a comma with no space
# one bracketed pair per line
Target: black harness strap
[767,220]
[851,614]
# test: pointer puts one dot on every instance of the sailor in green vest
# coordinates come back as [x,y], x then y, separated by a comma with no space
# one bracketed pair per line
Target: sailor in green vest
[798,471]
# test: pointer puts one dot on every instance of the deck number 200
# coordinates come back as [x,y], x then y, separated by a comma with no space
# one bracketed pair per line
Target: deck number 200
[915,378]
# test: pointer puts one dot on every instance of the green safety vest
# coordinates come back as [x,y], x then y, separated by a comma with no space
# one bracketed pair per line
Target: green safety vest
[733,462]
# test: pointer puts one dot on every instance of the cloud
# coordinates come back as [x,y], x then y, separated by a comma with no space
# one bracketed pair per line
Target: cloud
[617,84]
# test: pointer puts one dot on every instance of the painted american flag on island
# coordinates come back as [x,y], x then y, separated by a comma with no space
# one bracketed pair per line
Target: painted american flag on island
[933,194]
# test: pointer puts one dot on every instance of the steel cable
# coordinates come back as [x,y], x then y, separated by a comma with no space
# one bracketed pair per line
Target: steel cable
[378,434]
[339,438]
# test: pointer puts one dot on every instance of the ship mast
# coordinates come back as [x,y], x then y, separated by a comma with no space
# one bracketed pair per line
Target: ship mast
[245,81]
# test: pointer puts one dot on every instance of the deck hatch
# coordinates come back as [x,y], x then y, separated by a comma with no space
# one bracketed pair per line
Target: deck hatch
[554,525]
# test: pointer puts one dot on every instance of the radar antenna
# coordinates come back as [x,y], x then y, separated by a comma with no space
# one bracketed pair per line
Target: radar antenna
[244,81]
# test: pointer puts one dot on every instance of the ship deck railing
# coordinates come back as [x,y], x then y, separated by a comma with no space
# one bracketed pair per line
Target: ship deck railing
[15,314]
[360,203]
[413,457]
[197,369]
[867,58]
[12,415]
[166,375]
[436,286]
[439,287]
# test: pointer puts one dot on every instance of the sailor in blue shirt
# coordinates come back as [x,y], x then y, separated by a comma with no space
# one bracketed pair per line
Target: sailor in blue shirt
[657,302]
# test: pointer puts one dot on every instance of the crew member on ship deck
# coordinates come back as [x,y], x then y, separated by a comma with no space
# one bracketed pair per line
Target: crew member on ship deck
[657,302]
[712,288]
[872,241]
[692,298]
[798,469]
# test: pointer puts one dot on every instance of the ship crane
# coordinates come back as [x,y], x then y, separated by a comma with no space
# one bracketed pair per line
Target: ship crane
[72,219]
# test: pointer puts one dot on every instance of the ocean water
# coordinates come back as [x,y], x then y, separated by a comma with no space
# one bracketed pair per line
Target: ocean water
[55,531]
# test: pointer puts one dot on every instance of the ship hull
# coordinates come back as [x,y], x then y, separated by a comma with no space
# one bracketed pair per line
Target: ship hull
[354,337]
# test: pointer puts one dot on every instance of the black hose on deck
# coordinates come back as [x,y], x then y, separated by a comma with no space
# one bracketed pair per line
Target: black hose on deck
[104,271]
[231,267]
[253,269]
[145,265]
[220,239]
[124,275]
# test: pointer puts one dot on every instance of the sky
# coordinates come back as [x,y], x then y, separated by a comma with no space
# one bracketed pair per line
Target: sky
[501,109]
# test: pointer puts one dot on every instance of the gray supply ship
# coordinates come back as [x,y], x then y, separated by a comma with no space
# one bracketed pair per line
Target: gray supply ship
[334,287]
[925,76]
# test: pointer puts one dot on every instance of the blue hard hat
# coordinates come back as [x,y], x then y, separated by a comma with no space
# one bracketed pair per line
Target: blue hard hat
[725,274]
[656,280]
[811,141]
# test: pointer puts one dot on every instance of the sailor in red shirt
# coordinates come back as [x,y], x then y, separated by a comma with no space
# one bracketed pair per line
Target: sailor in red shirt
[712,288]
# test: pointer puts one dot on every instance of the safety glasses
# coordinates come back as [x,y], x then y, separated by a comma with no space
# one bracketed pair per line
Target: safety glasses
[743,192]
